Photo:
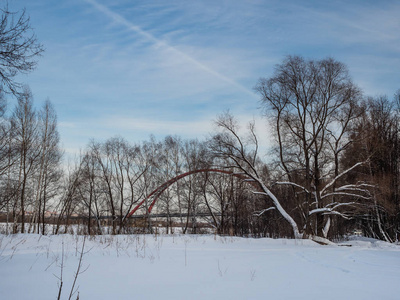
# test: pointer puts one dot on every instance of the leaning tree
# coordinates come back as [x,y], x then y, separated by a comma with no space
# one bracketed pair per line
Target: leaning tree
[311,104]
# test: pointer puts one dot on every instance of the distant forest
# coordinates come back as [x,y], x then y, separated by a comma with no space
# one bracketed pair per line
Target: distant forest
[333,167]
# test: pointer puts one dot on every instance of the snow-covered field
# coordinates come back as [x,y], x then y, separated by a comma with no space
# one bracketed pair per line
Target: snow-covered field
[196,267]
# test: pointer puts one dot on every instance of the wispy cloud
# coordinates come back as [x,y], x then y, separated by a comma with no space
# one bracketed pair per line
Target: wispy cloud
[135,68]
[159,43]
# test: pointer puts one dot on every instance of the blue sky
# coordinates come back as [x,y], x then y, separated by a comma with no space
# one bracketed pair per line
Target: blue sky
[135,68]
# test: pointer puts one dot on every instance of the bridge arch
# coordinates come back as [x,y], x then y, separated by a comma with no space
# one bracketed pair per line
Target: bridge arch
[158,191]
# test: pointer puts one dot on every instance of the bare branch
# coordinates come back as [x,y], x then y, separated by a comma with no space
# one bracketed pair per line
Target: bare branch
[293,184]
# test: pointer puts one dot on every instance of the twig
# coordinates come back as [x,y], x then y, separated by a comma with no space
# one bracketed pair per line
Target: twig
[61,275]
[78,269]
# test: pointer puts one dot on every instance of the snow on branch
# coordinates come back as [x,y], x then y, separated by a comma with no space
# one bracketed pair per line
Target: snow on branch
[260,193]
[353,190]
[344,216]
[358,185]
[345,194]
[259,213]
[341,174]
[278,206]
[331,210]
[356,188]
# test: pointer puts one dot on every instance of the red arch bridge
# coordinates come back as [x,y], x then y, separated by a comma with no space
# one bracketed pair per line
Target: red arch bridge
[158,191]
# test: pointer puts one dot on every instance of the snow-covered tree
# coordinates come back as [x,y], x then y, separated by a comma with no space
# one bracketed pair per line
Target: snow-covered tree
[311,105]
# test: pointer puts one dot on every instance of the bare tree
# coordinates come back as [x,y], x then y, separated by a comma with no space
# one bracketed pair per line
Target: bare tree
[311,105]
[19,49]
[149,154]
[70,199]
[376,135]
[49,170]
[89,189]
[25,124]
[8,156]
[123,161]
[110,181]
[169,162]
[242,154]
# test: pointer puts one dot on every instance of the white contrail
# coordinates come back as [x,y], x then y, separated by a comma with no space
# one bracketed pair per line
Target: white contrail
[121,20]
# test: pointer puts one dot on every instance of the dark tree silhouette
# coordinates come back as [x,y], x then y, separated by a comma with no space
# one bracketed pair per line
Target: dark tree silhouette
[19,49]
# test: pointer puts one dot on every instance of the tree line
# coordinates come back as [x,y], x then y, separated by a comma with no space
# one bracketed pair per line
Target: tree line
[333,166]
